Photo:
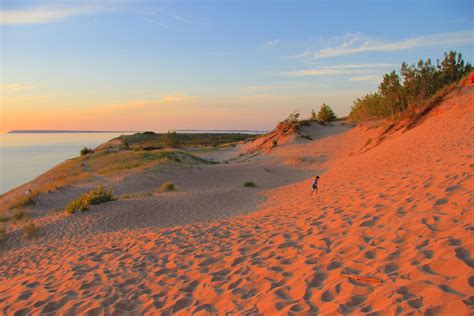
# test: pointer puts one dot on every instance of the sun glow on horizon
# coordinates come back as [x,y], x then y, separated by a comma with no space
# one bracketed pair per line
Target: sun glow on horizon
[151,66]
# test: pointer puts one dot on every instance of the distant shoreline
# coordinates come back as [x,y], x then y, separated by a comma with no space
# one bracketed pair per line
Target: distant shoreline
[40,131]
[213,131]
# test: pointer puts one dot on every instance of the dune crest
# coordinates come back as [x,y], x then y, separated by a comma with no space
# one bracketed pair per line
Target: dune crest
[390,231]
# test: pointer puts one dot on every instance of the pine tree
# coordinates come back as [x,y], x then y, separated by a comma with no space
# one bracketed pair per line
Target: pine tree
[326,114]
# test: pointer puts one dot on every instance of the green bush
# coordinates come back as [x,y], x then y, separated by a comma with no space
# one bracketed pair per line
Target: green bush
[249,184]
[93,197]
[167,187]
[291,120]
[30,230]
[326,114]
[85,151]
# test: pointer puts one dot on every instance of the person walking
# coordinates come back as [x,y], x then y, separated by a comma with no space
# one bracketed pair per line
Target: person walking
[315,185]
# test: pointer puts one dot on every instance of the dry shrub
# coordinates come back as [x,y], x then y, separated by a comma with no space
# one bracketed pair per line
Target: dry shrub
[3,234]
[21,214]
[30,230]
[167,187]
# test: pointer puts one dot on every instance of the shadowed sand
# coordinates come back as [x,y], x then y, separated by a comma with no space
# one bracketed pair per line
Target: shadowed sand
[390,231]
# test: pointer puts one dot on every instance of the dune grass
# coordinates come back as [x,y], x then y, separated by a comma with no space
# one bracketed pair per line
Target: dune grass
[24,201]
[85,151]
[20,214]
[93,197]
[136,195]
[30,230]
[167,187]
[112,163]
[60,176]
[150,140]
[99,163]
[250,184]
[427,105]
[3,234]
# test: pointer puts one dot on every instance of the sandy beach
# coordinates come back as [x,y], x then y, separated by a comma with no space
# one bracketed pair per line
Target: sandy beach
[389,232]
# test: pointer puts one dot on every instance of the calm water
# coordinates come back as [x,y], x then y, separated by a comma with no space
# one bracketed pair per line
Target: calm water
[23,157]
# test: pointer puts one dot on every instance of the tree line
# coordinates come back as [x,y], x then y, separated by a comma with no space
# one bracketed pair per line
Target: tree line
[400,92]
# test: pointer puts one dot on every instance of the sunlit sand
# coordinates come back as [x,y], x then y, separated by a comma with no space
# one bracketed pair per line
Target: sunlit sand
[390,230]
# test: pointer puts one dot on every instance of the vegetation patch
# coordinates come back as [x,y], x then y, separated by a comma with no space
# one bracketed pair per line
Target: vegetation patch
[60,176]
[250,184]
[30,230]
[24,201]
[326,114]
[306,136]
[3,234]
[112,163]
[153,141]
[93,197]
[136,195]
[21,214]
[428,105]
[167,187]
[411,90]
[85,151]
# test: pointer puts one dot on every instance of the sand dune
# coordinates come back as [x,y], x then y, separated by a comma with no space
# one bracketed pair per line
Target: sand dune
[390,232]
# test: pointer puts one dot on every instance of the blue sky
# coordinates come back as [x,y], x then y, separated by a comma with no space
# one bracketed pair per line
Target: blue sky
[209,64]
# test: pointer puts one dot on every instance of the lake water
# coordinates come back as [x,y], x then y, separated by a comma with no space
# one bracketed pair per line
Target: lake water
[23,157]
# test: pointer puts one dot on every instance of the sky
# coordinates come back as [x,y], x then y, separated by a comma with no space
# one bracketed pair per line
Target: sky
[166,65]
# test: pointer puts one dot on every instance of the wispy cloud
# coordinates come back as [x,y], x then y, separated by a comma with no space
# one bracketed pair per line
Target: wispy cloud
[152,21]
[15,87]
[366,78]
[337,70]
[18,100]
[160,15]
[273,42]
[179,18]
[260,88]
[223,53]
[360,43]
[45,14]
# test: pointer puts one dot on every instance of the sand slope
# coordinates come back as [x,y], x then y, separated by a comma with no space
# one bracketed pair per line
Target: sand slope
[389,232]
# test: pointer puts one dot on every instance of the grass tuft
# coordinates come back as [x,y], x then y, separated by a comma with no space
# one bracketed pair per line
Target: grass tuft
[30,230]
[167,187]
[25,201]
[93,197]
[85,151]
[21,214]
[3,234]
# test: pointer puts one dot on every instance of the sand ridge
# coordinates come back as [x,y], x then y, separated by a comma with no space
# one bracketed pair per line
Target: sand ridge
[390,232]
